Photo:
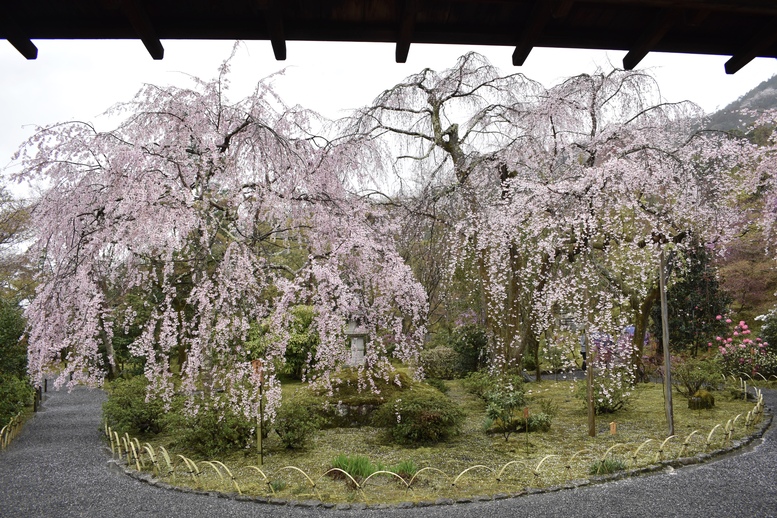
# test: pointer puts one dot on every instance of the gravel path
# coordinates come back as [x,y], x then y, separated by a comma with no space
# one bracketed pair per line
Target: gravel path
[58,467]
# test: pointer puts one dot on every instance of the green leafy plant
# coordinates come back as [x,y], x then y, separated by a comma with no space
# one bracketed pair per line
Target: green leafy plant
[15,394]
[126,409]
[471,343]
[481,383]
[210,432]
[420,416]
[438,384]
[296,421]
[440,362]
[691,375]
[504,410]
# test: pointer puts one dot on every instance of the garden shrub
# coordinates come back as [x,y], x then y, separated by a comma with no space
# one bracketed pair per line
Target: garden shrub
[211,432]
[297,420]
[15,394]
[471,343]
[504,410]
[481,383]
[351,387]
[540,422]
[742,356]
[438,384]
[13,350]
[478,384]
[691,375]
[420,416]
[126,409]
[440,362]
[302,344]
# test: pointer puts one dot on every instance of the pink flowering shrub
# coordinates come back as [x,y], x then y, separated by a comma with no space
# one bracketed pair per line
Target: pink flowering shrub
[741,354]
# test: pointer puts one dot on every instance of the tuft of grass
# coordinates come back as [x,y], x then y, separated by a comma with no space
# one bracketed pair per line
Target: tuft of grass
[358,466]
[607,466]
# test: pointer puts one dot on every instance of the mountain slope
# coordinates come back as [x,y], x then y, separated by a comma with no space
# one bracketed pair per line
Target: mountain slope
[762,97]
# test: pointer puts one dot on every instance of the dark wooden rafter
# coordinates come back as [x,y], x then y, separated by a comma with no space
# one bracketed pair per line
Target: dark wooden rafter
[17,38]
[274,17]
[696,18]
[541,12]
[652,34]
[562,8]
[721,27]
[761,40]
[406,24]
[141,23]
[25,46]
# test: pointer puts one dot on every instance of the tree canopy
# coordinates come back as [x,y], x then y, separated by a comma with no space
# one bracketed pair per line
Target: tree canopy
[199,226]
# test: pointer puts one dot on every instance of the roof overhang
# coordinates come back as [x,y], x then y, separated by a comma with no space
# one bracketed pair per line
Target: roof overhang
[743,29]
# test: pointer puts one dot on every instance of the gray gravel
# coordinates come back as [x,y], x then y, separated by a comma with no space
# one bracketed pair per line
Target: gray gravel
[58,467]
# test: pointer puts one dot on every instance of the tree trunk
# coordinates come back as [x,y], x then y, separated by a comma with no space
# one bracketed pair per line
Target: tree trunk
[641,323]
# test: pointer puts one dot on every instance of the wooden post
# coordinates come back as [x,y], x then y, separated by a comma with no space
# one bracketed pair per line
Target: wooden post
[667,357]
[589,376]
[259,371]
[526,427]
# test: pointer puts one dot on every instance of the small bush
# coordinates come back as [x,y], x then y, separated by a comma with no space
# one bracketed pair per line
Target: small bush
[504,411]
[481,383]
[691,375]
[440,362]
[127,411]
[438,384]
[420,416]
[302,344]
[296,421]
[540,422]
[15,394]
[471,343]
[210,434]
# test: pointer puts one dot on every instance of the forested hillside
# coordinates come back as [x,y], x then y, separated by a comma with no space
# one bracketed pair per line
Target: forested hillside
[762,97]
[746,272]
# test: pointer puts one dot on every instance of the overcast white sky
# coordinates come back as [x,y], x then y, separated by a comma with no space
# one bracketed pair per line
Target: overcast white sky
[81,79]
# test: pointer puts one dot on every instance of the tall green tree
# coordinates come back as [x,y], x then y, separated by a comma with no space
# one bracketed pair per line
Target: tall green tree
[694,302]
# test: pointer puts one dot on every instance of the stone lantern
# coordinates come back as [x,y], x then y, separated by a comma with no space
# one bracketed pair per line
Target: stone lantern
[357,334]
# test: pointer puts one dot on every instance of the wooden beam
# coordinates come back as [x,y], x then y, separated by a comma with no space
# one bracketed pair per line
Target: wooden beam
[562,8]
[274,17]
[16,37]
[758,44]
[406,24]
[652,34]
[143,27]
[26,47]
[540,13]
